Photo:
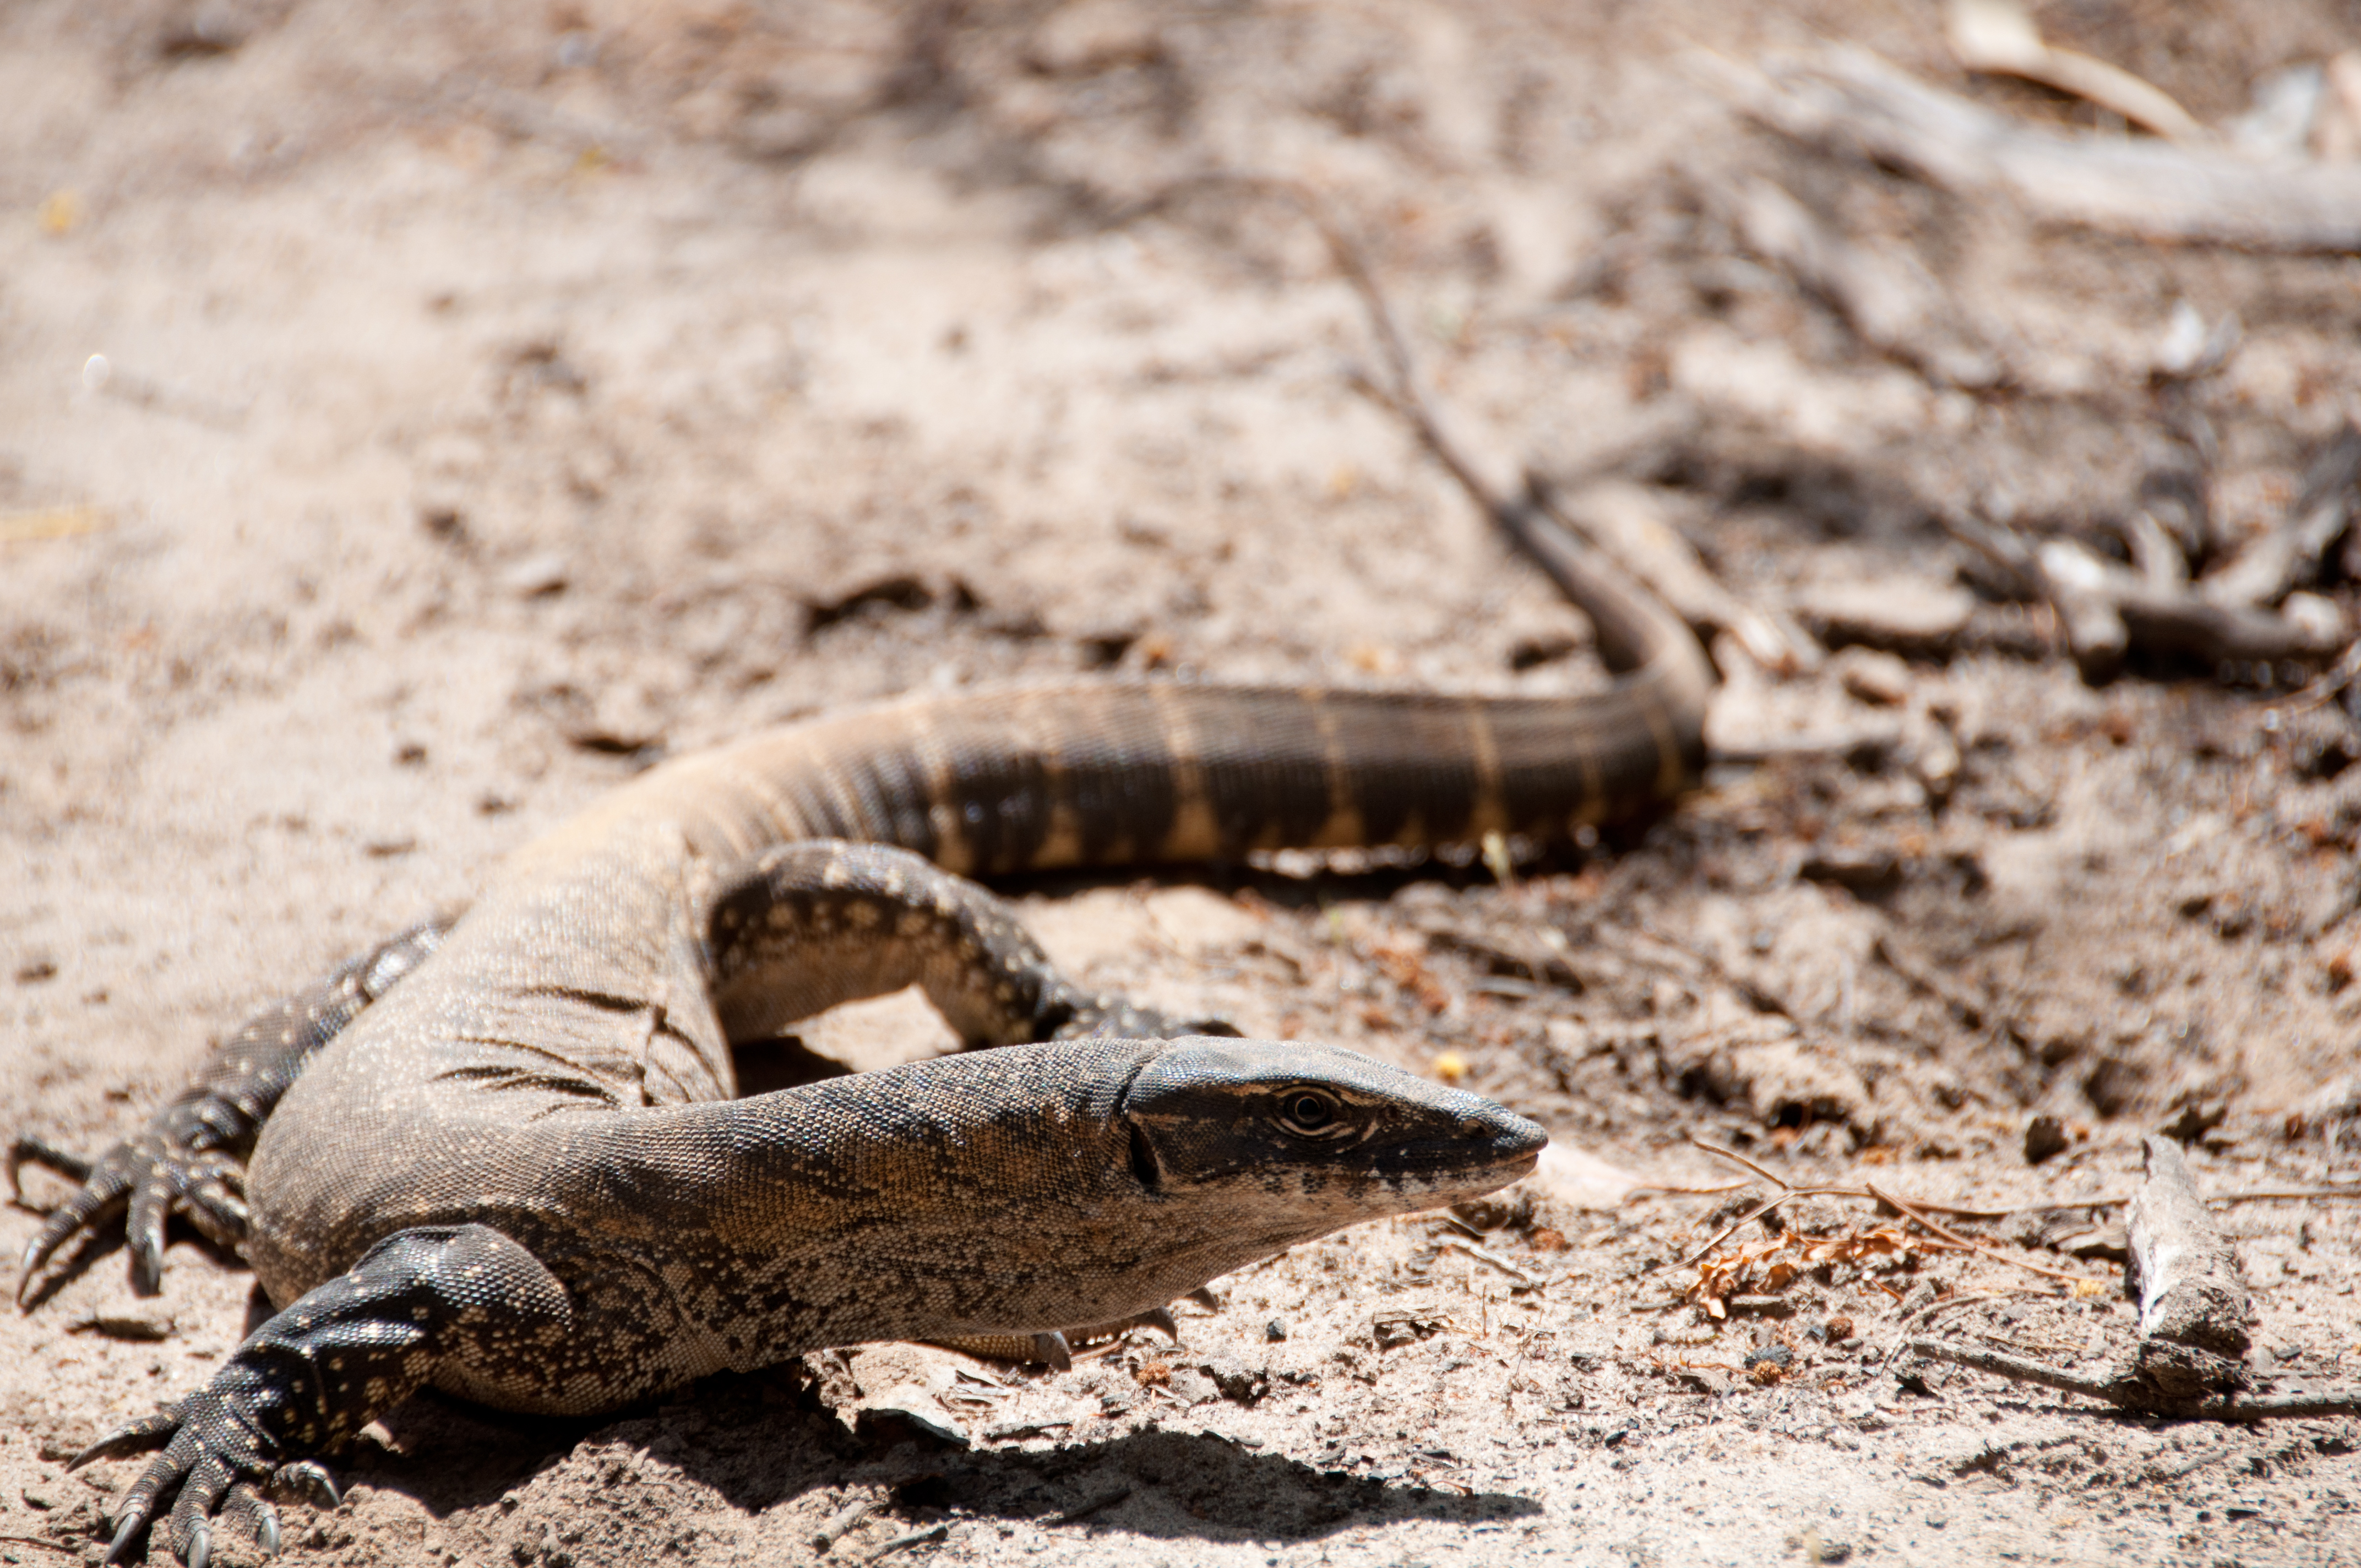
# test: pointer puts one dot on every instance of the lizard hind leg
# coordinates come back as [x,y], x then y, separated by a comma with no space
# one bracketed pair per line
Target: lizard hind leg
[191,1156]
[306,1382]
[810,925]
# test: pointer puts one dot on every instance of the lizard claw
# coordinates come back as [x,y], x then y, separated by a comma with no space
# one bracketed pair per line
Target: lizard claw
[176,1162]
[1051,1350]
[216,1449]
[309,1481]
[118,1550]
[142,1436]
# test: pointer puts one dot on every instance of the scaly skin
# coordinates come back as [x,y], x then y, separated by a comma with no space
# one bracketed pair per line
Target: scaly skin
[507,1155]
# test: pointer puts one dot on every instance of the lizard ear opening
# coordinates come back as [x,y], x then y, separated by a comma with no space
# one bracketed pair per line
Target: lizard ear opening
[1144,1168]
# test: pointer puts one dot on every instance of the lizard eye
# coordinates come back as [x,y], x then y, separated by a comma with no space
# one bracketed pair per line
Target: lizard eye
[1309,1112]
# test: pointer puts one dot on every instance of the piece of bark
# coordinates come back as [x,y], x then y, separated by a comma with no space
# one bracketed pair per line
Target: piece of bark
[1850,99]
[2184,1268]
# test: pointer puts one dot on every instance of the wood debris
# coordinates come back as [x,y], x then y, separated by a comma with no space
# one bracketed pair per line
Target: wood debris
[1850,100]
[2194,1308]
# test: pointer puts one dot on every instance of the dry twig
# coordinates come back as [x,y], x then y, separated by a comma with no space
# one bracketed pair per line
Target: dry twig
[2117,1391]
[1850,99]
[1996,36]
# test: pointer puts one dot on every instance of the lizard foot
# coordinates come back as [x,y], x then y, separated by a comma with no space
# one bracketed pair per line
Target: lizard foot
[306,1382]
[220,1464]
[176,1162]
[191,1158]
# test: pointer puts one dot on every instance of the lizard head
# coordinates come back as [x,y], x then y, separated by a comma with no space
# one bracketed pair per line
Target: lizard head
[1291,1141]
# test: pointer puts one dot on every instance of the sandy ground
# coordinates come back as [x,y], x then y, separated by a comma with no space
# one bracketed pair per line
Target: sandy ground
[493,401]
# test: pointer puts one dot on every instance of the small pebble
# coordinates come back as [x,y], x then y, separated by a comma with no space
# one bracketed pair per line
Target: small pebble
[1275,1329]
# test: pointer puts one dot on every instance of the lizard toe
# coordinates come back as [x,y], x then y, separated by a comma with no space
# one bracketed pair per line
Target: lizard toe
[308,1481]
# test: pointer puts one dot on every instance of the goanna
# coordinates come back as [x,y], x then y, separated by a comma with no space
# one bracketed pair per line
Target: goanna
[506,1154]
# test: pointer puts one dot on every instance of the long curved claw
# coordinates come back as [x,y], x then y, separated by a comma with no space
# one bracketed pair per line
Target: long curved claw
[201,1492]
[28,1151]
[1051,1350]
[254,1510]
[106,1190]
[310,1481]
[145,1435]
[143,1230]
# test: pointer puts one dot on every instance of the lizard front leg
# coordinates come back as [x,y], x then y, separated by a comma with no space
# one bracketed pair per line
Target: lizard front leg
[306,1382]
[192,1155]
[809,925]
[813,923]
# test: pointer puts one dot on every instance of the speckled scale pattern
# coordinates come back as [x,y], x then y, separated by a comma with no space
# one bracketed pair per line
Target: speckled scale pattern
[523,1174]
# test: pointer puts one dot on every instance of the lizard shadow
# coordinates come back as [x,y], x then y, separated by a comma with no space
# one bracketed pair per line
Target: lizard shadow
[761,1442]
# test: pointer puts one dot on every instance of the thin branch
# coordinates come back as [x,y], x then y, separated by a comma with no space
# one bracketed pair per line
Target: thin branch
[2127,1394]
[1764,1208]
[1736,1159]
[1959,1241]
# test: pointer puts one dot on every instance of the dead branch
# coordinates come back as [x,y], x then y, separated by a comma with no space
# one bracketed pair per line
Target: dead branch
[2189,1290]
[1629,522]
[1968,1244]
[2130,1394]
[2107,609]
[1595,572]
[1850,100]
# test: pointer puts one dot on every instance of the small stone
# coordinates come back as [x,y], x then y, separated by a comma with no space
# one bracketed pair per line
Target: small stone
[1236,1380]
[537,575]
[1275,1331]
[1191,1387]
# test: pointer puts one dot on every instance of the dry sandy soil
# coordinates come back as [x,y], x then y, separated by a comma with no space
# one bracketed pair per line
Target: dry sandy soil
[499,398]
